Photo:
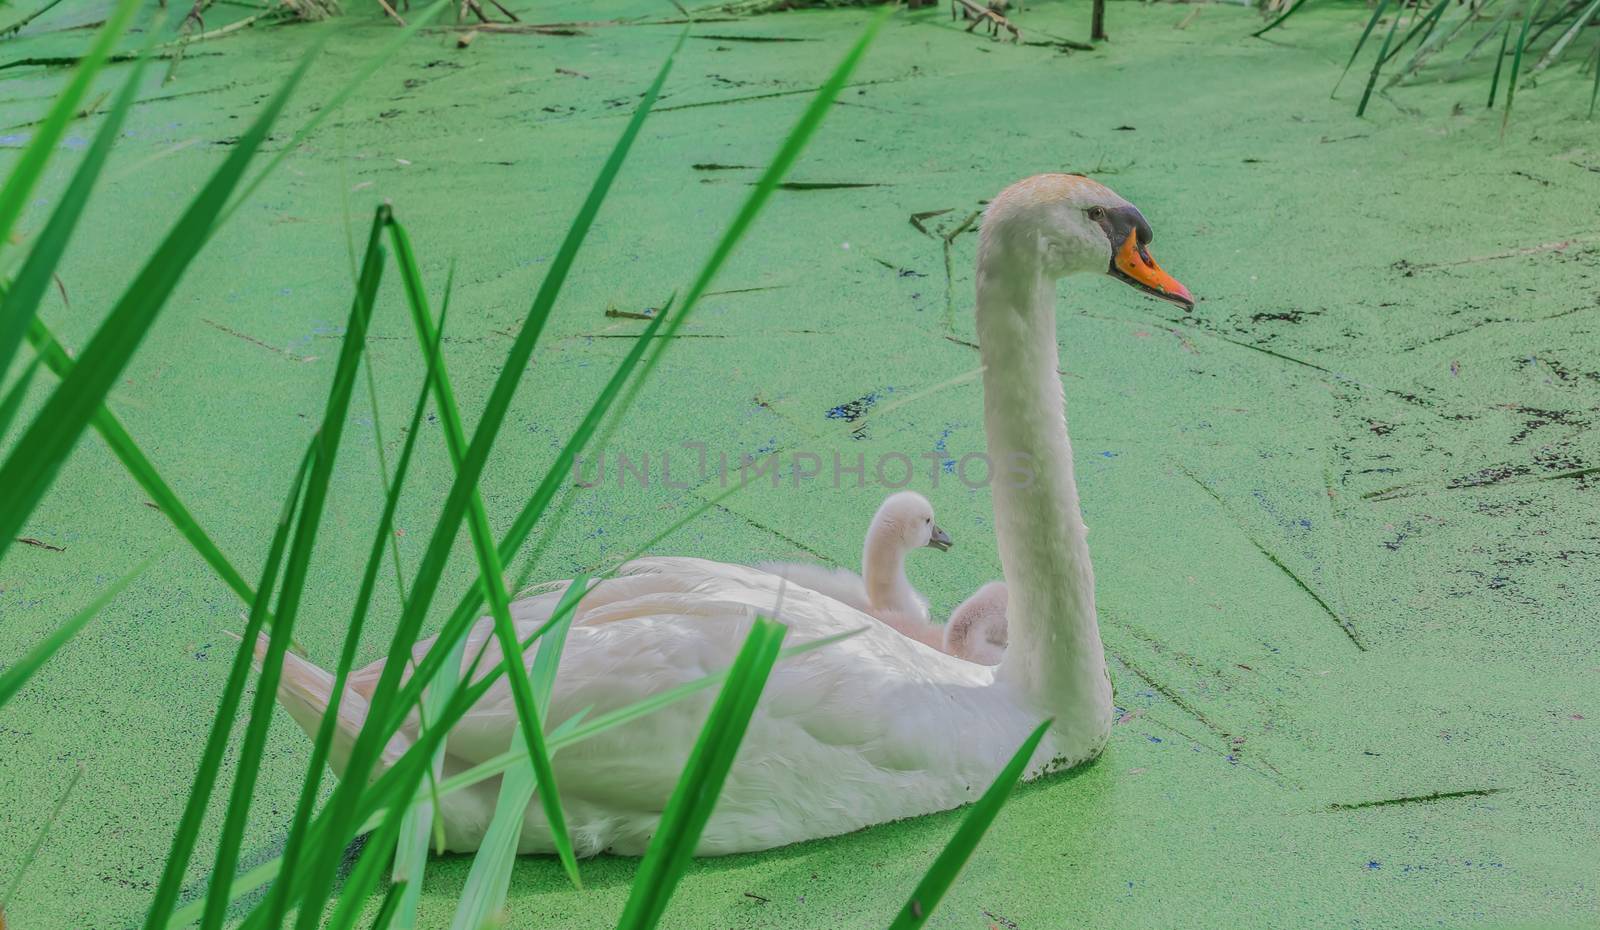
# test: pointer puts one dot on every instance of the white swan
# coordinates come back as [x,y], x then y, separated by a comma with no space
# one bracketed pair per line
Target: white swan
[977,629]
[875,728]
[904,522]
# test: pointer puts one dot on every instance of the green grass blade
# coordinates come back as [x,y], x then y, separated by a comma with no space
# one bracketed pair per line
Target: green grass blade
[430,571]
[411,853]
[391,905]
[12,402]
[1377,14]
[785,158]
[1293,8]
[29,168]
[28,472]
[919,907]
[492,580]
[1372,79]
[335,413]
[188,831]
[364,878]
[1534,8]
[490,876]
[17,674]
[1494,85]
[140,467]
[38,841]
[692,802]
[21,300]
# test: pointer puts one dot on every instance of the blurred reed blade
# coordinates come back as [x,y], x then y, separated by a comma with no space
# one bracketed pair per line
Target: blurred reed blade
[139,466]
[692,802]
[1361,43]
[1507,7]
[1372,79]
[30,166]
[22,298]
[490,876]
[309,790]
[36,458]
[12,402]
[376,733]
[1423,25]
[326,442]
[1430,45]
[38,841]
[17,674]
[188,831]
[942,874]
[391,905]
[364,878]
[1567,37]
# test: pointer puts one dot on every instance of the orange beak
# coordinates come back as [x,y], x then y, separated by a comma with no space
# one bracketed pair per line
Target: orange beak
[1134,265]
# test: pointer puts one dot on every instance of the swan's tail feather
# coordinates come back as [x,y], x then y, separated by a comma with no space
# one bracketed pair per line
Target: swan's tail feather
[306,692]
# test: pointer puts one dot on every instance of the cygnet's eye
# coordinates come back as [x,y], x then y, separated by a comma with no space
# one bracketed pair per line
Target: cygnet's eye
[1097,213]
[927,519]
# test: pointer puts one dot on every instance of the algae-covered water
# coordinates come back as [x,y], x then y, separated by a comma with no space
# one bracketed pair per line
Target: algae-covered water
[1345,517]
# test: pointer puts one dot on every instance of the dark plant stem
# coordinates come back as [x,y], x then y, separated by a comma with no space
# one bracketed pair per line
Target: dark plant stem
[1494,86]
[1097,22]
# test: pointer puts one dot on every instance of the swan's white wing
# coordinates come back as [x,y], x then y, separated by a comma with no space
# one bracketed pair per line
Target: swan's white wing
[668,622]
[837,583]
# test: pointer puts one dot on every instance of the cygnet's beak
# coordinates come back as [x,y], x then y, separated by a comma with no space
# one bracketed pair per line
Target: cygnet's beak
[940,540]
[1133,265]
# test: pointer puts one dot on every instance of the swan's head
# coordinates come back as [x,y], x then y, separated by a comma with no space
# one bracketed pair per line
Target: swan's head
[1069,224]
[906,520]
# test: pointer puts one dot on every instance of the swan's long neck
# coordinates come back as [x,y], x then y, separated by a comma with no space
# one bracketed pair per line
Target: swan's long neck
[883,571]
[1055,655]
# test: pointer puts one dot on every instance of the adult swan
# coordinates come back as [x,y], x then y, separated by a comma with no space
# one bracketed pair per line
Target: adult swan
[877,727]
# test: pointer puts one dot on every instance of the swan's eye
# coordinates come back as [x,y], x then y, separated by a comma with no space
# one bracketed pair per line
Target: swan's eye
[1097,213]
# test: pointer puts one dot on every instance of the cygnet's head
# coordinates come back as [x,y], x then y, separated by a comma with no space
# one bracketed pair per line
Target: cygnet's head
[906,519]
[1069,224]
